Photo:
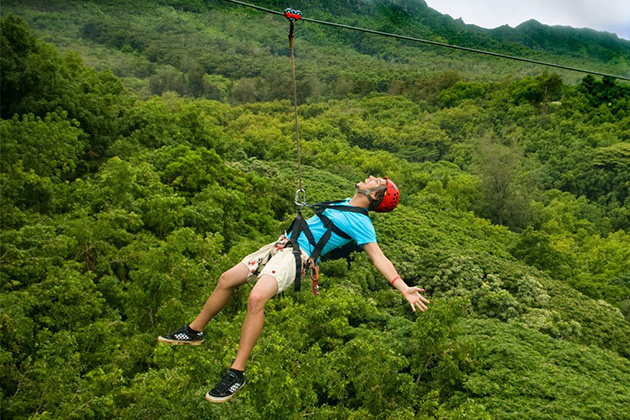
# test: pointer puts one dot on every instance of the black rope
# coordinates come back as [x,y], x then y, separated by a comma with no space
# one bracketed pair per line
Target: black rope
[438,44]
[295,111]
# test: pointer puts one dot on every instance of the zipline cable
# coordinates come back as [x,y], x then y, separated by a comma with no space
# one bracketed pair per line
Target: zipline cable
[438,44]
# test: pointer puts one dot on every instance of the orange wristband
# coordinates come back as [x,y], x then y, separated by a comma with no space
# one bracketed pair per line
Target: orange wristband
[394,279]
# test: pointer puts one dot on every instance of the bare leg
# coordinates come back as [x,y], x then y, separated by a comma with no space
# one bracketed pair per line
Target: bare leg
[230,280]
[265,289]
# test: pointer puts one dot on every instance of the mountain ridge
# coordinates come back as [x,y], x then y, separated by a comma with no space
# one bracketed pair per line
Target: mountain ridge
[442,24]
[530,39]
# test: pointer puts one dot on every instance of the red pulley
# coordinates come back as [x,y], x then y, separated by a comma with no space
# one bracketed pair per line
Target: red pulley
[292,14]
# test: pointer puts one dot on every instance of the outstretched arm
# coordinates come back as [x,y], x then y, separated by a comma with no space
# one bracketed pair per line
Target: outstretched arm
[385,266]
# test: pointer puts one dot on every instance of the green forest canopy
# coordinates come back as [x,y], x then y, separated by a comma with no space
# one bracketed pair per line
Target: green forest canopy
[121,207]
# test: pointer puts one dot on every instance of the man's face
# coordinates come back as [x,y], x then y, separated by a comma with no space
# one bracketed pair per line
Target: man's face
[371,183]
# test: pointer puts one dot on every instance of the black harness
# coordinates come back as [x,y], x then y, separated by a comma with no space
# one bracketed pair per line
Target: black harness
[299,225]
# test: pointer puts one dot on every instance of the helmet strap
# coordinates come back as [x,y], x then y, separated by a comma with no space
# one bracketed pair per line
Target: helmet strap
[368,193]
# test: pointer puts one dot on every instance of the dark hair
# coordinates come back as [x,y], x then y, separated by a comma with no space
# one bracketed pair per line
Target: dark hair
[379,195]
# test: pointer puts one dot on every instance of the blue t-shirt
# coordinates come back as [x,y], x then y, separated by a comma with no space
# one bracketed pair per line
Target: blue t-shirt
[356,225]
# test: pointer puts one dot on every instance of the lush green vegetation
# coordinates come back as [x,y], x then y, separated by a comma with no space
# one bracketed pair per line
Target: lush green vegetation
[124,196]
[217,50]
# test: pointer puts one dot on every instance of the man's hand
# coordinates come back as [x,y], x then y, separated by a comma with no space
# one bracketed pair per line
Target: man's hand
[415,299]
[385,266]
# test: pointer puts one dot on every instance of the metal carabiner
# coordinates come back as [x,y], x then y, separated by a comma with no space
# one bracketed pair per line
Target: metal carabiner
[297,197]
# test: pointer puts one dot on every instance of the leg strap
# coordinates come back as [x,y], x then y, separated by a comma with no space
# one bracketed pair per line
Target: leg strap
[297,253]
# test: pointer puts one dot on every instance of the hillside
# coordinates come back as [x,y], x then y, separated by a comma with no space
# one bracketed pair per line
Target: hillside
[226,52]
[125,195]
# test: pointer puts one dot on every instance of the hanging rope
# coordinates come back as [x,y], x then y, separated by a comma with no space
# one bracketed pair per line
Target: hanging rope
[439,44]
[300,194]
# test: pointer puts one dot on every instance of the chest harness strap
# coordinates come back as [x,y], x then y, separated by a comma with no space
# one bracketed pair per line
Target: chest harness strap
[299,225]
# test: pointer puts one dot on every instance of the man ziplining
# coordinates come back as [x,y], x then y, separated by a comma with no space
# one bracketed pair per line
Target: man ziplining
[276,266]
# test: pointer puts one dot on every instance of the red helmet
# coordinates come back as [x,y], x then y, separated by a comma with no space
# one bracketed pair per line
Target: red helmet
[390,199]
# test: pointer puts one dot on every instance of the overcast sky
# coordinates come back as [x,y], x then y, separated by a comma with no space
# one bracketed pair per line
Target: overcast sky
[602,15]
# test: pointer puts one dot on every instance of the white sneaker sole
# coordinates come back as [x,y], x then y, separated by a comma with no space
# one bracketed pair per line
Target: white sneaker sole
[178,342]
[221,399]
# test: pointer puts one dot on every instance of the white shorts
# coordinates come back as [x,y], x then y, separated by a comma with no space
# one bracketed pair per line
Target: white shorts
[275,260]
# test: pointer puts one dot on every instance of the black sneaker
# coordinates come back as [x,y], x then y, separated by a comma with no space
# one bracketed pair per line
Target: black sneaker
[183,337]
[227,387]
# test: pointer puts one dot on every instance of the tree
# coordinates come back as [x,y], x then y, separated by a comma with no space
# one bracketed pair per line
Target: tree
[51,147]
[37,80]
[499,166]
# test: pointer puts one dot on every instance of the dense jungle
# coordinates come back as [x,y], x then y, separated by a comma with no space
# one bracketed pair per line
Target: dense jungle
[147,146]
